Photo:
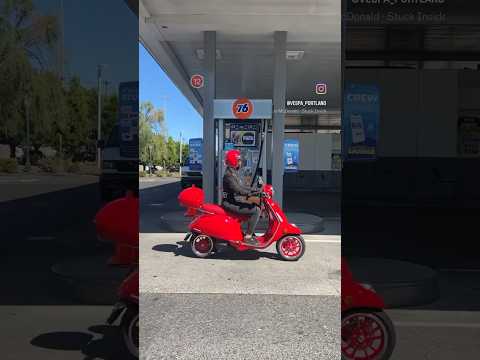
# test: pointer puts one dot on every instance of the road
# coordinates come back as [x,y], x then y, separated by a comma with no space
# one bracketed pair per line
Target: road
[233,309]
[48,220]
[233,305]
[436,335]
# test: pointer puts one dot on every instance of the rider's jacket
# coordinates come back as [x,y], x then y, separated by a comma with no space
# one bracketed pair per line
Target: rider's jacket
[234,191]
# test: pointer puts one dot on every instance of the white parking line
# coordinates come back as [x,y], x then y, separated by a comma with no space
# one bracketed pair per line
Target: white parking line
[323,241]
[453,325]
[40,238]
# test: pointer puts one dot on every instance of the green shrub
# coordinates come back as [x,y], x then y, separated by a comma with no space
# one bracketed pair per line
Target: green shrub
[8,165]
[142,173]
[72,167]
[49,165]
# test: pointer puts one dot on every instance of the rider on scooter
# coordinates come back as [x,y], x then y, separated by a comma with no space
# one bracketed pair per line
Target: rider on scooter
[235,195]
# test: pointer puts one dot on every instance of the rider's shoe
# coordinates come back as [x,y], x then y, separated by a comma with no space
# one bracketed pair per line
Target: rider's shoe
[250,240]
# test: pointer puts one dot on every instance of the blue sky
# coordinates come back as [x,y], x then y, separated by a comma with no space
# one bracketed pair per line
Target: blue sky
[106,32]
[156,87]
[97,32]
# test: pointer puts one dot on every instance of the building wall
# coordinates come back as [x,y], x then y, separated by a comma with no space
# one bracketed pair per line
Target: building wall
[315,151]
[315,163]
[424,122]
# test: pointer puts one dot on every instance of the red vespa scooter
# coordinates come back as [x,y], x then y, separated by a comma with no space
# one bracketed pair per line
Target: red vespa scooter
[213,227]
[117,221]
[367,332]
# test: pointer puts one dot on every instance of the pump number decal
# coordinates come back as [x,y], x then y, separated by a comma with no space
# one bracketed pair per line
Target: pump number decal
[242,108]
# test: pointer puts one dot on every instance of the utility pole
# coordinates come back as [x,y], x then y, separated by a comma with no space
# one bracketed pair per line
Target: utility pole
[106,83]
[99,120]
[61,44]
[27,147]
[60,144]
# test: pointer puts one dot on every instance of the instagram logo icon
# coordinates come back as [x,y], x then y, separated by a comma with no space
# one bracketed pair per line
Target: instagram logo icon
[321,89]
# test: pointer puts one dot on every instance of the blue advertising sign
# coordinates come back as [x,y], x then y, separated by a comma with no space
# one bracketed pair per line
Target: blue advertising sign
[360,122]
[128,118]
[291,151]
[195,147]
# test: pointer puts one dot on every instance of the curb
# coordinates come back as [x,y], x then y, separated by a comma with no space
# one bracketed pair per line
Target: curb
[399,283]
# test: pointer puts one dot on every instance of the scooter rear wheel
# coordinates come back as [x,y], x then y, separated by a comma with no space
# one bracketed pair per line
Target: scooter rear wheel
[202,245]
[291,247]
[367,335]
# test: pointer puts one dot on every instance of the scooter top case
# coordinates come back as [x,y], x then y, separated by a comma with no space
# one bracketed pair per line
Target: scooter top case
[118,220]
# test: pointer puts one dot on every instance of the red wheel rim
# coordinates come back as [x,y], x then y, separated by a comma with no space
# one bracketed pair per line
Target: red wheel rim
[291,247]
[202,244]
[363,337]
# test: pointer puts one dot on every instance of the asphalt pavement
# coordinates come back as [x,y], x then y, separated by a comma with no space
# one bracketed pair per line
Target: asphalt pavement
[248,305]
[48,219]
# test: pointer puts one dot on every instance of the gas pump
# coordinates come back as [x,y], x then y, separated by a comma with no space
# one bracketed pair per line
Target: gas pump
[242,124]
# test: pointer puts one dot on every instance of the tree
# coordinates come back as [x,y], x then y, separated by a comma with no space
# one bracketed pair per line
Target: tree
[172,152]
[185,153]
[151,133]
[77,125]
[24,37]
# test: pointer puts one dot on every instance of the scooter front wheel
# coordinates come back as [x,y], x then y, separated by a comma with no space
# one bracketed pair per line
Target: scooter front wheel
[367,335]
[291,247]
[130,327]
[202,245]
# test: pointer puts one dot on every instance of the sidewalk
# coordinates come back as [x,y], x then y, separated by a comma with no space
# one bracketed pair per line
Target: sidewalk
[24,185]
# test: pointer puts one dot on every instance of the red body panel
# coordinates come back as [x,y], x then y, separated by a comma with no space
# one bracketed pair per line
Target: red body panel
[129,288]
[214,209]
[218,226]
[356,296]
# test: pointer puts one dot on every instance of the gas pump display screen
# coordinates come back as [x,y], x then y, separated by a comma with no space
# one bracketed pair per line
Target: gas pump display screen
[243,135]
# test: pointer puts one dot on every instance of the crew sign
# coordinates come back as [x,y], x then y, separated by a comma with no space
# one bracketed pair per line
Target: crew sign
[361,118]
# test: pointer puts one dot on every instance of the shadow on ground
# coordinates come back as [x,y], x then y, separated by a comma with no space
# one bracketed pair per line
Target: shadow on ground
[107,344]
[224,254]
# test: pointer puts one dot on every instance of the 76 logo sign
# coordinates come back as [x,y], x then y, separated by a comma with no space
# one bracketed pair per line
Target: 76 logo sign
[242,108]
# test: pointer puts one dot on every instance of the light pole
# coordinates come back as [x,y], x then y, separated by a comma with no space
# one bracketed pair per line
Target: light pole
[180,166]
[27,120]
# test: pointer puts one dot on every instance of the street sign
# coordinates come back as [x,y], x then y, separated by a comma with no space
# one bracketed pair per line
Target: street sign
[195,147]
[128,118]
[197,81]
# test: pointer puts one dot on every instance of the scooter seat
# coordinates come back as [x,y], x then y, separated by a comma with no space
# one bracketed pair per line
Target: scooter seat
[212,208]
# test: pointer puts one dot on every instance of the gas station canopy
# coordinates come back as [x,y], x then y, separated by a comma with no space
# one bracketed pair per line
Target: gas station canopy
[172,31]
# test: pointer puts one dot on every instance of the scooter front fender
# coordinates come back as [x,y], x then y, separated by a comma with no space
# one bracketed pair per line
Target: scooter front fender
[217,226]
[359,297]
[292,229]
[129,288]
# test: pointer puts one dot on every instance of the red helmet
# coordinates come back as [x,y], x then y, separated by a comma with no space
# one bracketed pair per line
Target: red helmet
[232,158]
